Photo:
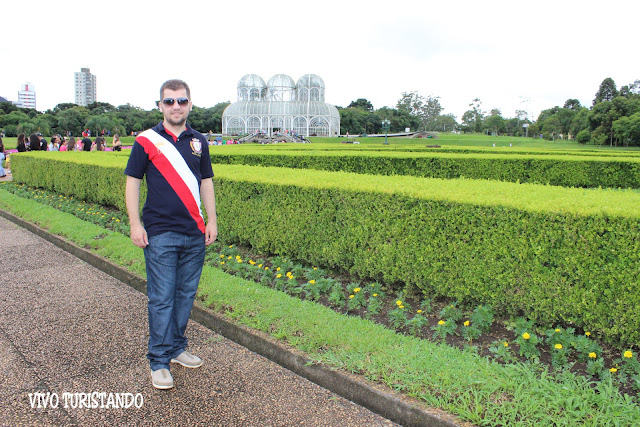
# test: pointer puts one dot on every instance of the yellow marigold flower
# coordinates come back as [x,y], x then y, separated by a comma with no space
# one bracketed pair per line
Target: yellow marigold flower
[266,268]
[356,290]
[558,346]
[628,354]
[419,311]
[237,256]
[588,334]
[230,246]
[229,257]
[278,276]
[252,262]
[221,255]
[467,323]
[401,306]
[398,302]
[506,344]
[313,282]
[375,295]
[613,370]
[315,268]
[291,277]
[260,266]
[442,322]
[558,330]
[592,355]
[526,335]
[239,261]
[222,262]
[351,296]
[278,269]
[373,285]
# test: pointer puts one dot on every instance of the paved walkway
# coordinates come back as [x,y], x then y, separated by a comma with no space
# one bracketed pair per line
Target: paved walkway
[67,328]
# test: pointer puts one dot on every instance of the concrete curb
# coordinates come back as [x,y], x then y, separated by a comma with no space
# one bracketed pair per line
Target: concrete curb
[383,403]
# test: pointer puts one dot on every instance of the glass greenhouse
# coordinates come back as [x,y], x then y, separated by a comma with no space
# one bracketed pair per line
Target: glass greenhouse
[281,106]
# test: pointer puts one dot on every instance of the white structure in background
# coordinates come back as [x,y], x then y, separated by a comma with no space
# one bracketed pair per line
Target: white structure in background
[85,87]
[281,106]
[27,96]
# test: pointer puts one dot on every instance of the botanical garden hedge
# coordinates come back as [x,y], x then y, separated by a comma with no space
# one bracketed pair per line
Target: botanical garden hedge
[555,254]
[563,170]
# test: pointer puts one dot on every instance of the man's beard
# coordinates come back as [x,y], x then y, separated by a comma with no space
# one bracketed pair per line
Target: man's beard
[179,124]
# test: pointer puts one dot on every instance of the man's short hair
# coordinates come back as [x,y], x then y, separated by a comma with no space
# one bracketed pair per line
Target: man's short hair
[174,84]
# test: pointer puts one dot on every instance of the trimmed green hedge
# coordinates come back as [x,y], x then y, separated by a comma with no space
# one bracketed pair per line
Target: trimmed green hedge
[555,254]
[407,145]
[550,253]
[562,170]
[91,176]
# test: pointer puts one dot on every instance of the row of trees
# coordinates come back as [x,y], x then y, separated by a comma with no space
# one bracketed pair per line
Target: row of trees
[614,118]
[98,117]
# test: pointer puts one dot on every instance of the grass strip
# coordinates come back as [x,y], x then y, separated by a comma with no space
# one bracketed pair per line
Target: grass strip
[462,383]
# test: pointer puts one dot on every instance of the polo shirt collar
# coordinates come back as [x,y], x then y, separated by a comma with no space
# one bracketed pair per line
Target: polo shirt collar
[188,130]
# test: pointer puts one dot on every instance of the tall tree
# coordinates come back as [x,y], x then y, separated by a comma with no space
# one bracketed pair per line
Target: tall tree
[580,122]
[361,103]
[572,104]
[494,122]
[627,128]
[100,107]
[72,120]
[427,108]
[472,119]
[354,121]
[63,106]
[630,89]
[444,123]
[606,92]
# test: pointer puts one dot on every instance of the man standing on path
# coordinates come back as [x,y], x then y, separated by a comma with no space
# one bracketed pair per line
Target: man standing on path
[175,160]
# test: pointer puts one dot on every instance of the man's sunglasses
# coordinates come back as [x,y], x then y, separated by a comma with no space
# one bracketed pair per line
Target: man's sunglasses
[170,101]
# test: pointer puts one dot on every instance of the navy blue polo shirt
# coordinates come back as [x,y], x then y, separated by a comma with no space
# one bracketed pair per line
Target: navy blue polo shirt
[163,210]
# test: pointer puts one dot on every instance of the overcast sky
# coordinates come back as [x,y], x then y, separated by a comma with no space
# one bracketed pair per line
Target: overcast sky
[528,55]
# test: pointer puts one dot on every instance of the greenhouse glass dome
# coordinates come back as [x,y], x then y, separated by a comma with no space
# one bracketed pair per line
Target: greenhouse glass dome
[281,106]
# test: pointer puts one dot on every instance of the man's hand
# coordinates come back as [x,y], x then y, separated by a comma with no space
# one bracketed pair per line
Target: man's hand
[209,201]
[211,233]
[139,236]
[132,199]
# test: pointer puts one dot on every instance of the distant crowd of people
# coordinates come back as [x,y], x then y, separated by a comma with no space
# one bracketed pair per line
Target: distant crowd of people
[37,142]
[3,173]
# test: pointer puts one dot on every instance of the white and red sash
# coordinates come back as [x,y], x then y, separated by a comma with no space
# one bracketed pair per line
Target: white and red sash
[170,163]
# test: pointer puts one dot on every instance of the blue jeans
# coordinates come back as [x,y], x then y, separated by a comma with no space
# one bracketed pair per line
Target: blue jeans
[174,263]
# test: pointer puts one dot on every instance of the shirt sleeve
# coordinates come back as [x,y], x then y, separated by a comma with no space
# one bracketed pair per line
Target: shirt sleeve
[137,164]
[205,162]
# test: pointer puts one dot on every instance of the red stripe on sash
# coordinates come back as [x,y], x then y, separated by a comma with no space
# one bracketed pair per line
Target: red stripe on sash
[174,179]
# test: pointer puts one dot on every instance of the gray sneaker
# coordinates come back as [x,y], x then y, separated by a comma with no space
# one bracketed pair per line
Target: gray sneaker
[187,360]
[161,379]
